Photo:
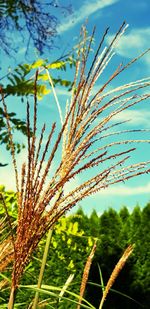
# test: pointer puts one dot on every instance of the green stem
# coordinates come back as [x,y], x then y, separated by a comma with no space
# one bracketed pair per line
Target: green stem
[48,240]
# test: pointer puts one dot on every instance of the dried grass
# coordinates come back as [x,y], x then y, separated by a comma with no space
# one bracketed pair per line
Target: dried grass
[86,274]
[115,273]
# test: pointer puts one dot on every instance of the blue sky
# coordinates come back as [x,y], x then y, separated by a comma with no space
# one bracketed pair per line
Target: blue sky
[136,39]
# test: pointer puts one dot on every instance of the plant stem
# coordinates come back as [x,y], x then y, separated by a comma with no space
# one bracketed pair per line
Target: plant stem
[48,240]
[55,96]
[11,298]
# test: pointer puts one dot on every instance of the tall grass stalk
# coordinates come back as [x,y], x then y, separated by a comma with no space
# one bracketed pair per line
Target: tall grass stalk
[86,274]
[55,96]
[84,137]
[115,273]
[44,259]
[49,236]
[12,298]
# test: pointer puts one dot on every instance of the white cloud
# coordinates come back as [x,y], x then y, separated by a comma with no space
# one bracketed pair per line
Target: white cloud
[133,43]
[87,9]
[136,117]
[125,190]
[63,91]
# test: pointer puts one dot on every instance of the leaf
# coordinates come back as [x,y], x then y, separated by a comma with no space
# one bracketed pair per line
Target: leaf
[41,91]
[18,305]
[43,77]
[90,241]
[75,228]
[57,65]
[25,68]
[62,82]
[2,165]
[101,278]
[38,63]
[46,290]
[117,292]
[71,265]
[5,277]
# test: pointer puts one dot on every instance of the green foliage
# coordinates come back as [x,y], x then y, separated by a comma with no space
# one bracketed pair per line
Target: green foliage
[110,226]
[141,236]
[65,243]
[125,237]
[11,202]
[21,83]
[94,223]
[11,205]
